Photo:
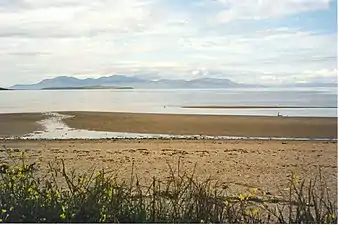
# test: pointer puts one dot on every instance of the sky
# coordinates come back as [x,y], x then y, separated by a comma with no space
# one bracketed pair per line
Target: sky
[250,41]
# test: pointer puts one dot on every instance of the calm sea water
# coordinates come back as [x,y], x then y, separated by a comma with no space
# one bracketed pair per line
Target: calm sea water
[171,100]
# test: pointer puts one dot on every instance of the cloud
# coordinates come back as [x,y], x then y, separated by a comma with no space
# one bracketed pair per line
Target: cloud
[40,39]
[74,18]
[263,9]
[307,76]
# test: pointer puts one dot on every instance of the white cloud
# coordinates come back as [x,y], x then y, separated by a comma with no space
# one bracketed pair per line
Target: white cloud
[40,38]
[77,18]
[323,75]
[263,9]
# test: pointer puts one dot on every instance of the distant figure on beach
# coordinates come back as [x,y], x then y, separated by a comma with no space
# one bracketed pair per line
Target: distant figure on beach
[278,114]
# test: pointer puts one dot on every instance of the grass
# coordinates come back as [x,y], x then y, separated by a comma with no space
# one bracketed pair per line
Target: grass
[61,196]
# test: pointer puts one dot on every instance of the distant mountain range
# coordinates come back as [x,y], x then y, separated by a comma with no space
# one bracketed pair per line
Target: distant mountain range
[127,82]
[85,87]
[311,84]
[121,81]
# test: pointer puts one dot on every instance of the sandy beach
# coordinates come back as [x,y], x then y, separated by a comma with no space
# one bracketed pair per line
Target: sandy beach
[266,164]
[238,164]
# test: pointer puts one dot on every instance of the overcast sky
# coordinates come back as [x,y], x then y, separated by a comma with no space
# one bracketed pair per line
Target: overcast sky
[253,41]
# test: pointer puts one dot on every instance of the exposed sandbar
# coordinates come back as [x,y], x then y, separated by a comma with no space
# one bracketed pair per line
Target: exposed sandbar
[255,107]
[215,125]
[18,124]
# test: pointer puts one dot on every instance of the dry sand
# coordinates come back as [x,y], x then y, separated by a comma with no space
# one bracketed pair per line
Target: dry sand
[236,163]
[258,126]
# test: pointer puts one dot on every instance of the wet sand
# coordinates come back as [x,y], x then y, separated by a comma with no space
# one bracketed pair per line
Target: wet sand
[214,125]
[19,124]
[238,164]
[255,107]
[174,124]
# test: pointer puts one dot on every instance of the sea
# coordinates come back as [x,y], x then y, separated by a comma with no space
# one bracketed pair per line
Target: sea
[171,101]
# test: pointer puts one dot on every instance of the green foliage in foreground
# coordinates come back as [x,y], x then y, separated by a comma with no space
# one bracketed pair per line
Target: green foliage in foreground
[27,196]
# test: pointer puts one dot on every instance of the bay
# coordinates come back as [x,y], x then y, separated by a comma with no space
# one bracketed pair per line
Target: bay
[172,100]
